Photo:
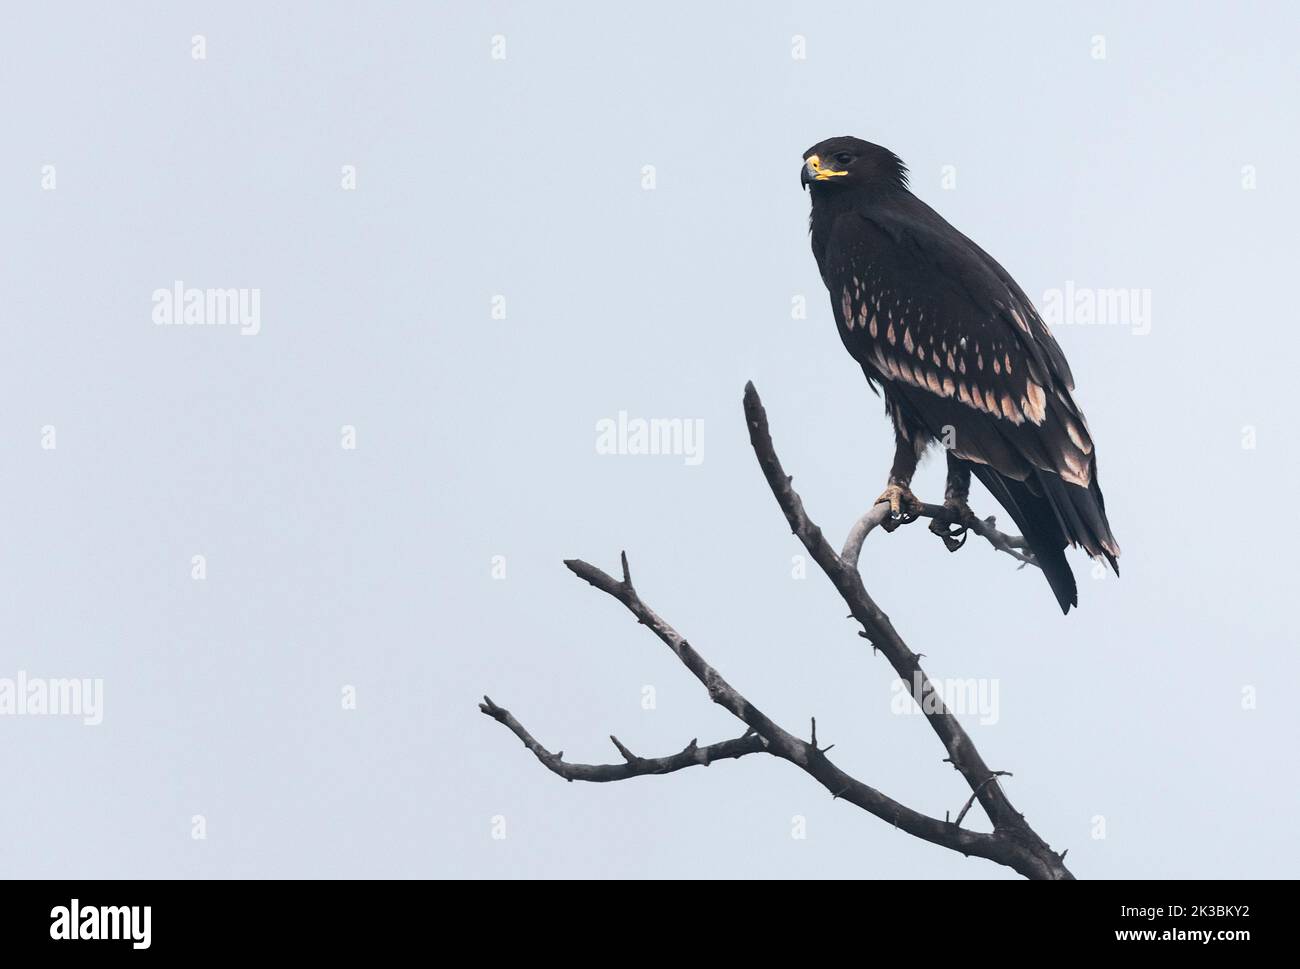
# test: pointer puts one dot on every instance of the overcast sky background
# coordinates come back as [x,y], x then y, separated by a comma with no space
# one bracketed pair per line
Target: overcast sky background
[476,437]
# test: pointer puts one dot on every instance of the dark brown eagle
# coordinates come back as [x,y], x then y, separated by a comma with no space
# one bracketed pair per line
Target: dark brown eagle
[961,355]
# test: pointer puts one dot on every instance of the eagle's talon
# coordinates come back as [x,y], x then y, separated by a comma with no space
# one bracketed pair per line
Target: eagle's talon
[955,529]
[904,507]
[954,535]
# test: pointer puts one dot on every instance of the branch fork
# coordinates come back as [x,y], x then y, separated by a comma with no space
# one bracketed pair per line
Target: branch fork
[1011,842]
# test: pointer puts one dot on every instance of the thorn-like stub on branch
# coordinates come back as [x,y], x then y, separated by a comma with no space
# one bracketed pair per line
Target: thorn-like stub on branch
[628,756]
[1063,854]
[627,575]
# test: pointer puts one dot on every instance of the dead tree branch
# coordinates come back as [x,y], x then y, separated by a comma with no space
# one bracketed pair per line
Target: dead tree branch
[778,741]
[986,528]
[1034,858]
[1012,842]
[635,766]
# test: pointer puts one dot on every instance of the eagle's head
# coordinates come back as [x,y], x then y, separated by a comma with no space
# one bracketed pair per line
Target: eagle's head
[850,162]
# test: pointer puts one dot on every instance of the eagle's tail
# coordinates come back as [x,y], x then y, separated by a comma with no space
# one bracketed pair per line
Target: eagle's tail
[1052,514]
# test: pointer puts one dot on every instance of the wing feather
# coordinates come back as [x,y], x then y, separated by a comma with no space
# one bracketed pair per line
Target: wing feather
[964,334]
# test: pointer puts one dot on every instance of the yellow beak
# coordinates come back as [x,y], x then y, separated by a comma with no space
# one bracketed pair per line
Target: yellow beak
[814,171]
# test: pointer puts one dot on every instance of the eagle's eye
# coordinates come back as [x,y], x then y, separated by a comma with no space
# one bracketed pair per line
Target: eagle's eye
[843,158]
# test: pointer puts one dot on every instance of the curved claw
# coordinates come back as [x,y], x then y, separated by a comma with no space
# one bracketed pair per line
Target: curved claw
[954,535]
[955,530]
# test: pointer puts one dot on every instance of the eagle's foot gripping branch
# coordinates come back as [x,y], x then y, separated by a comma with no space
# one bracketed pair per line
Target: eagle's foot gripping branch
[955,528]
[904,507]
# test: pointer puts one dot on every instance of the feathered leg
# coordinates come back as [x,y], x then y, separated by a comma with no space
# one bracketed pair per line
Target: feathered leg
[903,506]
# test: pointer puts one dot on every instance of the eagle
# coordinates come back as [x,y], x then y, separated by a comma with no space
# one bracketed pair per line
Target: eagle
[960,355]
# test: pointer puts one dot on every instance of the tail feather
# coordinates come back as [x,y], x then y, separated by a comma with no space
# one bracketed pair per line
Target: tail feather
[1052,514]
[1084,512]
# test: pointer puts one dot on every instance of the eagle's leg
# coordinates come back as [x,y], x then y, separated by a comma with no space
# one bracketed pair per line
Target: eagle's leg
[955,495]
[903,506]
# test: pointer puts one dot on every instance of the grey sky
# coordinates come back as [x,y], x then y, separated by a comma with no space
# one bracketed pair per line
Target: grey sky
[477,437]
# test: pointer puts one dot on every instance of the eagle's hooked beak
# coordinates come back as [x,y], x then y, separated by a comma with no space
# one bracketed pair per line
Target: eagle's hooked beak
[814,172]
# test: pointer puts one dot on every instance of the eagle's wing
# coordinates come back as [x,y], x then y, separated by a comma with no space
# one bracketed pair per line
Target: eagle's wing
[959,343]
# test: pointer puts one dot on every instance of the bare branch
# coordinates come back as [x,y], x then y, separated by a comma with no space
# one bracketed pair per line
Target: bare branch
[986,528]
[1012,842]
[970,801]
[1035,858]
[635,766]
[781,743]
